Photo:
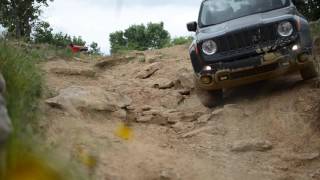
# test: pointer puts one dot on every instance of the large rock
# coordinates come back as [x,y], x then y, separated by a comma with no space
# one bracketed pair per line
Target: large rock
[5,123]
[300,156]
[204,118]
[251,145]
[168,174]
[151,58]
[171,100]
[89,98]
[149,70]
[162,83]
[185,79]
[196,131]
[114,61]
[86,72]
[153,116]
[213,130]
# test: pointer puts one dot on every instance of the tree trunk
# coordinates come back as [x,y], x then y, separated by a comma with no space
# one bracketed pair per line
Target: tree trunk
[17,22]
[18,28]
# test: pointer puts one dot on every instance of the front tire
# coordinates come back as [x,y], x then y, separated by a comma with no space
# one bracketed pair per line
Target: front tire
[309,72]
[313,68]
[209,98]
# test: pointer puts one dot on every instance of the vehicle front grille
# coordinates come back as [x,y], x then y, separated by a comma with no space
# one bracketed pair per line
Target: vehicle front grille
[247,38]
[254,71]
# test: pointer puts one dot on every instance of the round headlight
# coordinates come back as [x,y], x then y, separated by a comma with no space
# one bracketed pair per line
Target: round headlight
[285,29]
[209,47]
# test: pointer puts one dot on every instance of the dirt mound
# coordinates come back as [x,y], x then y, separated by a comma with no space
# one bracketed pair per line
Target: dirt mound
[268,130]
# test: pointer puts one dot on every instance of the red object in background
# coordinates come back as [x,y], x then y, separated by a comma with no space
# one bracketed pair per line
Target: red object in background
[76,49]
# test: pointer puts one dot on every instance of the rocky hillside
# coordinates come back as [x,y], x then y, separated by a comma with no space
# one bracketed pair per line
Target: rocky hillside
[268,130]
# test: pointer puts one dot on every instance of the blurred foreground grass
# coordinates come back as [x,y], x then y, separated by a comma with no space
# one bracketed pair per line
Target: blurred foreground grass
[26,159]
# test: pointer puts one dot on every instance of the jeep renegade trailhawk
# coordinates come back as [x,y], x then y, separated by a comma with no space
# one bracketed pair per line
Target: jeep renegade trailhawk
[243,41]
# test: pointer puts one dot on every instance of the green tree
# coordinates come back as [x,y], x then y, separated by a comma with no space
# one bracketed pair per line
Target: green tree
[156,36]
[61,40]
[19,16]
[117,41]
[136,37]
[78,41]
[94,48]
[140,37]
[43,33]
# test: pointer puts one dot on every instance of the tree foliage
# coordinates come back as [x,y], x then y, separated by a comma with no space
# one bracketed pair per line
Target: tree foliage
[94,48]
[43,33]
[118,42]
[309,8]
[140,37]
[157,36]
[19,16]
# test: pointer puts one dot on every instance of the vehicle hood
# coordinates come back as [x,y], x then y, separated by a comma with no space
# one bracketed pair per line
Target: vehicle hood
[245,22]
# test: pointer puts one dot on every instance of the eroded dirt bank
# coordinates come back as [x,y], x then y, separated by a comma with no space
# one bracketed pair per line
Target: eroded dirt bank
[268,130]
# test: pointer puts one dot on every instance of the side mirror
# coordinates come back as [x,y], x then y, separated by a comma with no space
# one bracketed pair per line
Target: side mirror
[192,26]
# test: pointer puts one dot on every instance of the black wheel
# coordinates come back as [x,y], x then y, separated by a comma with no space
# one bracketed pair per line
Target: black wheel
[309,72]
[208,98]
[313,68]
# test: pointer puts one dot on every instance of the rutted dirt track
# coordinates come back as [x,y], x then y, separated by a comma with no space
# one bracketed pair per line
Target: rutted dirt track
[268,130]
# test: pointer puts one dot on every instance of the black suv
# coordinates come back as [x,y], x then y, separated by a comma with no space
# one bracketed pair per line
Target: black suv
[243,41]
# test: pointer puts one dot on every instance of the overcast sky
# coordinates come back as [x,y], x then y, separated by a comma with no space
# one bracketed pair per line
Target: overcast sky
[94,20]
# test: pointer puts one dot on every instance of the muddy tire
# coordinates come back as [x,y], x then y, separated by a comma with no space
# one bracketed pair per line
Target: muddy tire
[312,70]
[208,98]
[309,72]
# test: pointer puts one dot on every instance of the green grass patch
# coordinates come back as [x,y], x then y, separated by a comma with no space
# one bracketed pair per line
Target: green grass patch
[42,52]
[181,40]
[24,86]
[25,149]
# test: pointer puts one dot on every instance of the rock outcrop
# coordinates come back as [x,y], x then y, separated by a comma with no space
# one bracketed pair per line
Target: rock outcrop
[251,145]
[113,61]
[75,98]
[149,70]
[162,83]
[185,79]
[86,72]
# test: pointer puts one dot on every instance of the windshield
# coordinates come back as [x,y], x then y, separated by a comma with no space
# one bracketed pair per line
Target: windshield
[218,11]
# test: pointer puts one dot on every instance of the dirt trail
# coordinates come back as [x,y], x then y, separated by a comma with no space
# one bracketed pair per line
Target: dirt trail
[268,130]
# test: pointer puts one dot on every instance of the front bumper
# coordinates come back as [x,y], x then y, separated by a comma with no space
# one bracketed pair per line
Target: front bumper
[262,67]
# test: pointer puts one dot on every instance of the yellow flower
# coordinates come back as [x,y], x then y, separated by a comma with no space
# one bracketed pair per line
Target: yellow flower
[124,132]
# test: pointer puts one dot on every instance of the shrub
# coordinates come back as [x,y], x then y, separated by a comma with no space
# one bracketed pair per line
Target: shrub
[181,40]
